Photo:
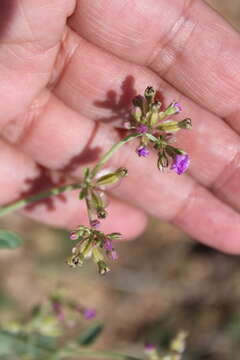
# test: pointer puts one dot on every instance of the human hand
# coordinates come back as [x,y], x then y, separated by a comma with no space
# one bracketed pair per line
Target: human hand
[59,59]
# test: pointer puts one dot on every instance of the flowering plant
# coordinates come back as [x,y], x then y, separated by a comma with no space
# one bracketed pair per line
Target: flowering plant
[154,129]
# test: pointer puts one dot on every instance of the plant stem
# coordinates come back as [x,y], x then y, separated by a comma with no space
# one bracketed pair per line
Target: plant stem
[96,354]
[60,189]
[110,152]
[36,197]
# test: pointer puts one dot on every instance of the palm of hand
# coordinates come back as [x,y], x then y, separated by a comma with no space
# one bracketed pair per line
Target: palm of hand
[57,58]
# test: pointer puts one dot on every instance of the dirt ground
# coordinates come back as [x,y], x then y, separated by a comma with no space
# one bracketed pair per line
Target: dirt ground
[162,283]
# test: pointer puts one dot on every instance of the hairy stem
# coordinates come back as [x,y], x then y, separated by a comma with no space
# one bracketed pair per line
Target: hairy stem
[4,210]
[110,152]
[61,189]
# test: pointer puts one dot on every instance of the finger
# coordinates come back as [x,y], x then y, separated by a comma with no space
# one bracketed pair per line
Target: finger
[70,212]
[212,145]
[164,195]
[30,39]
[185,42]
[20,177]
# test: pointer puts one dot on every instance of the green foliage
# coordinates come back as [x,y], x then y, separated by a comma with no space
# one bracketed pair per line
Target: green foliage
[89,336]
[22,345]
[9,240]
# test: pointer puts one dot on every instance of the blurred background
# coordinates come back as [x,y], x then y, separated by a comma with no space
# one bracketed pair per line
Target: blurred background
[162,283]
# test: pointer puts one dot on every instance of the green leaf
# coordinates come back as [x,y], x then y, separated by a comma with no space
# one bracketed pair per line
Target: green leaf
[89,336]
[9,240]
[21,344]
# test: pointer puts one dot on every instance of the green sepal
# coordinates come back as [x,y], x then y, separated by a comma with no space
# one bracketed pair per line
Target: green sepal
[9,240]
[89,336]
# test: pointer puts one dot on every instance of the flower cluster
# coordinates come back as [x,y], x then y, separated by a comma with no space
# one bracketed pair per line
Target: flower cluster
[93,191]
[154,129]
[93,244]
[157,128]
[61,306]
[176,349]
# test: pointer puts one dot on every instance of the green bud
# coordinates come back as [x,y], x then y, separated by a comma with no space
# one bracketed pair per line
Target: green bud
[97,200]
[101,213]
[122,171]
[102,267]
[169,126]
[173,108]
[97,255]
[86,248]
[75,260]
[137,113]
[154,113]
[185,124]
[178,344]
[83,231]
[111,178]
[115,236]
[150,94]
[162,162]
[138,101]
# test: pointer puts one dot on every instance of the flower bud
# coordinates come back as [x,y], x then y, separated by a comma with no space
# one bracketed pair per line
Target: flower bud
[74,235]
[115,236]
[111,178]
[169,126]
[142,129]
[162,162]
[98,204]
[95,223]
[185,124]
[137,113]
[154,115]
[102,267]
[101,213]
[75,260]
[178,344]
[142,151]
[151,352]
[138,101]
[173,108]
[150,94]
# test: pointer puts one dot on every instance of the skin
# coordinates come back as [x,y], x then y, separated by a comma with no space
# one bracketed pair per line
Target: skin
[58,61]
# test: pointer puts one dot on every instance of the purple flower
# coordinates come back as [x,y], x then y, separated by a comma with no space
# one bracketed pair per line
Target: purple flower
[142,151]
[89,314]
[73,236]
[177,107]
[108,245]
[142,129]
[180,163]
[58,310]
[114,255]
[95,224]
[150,347]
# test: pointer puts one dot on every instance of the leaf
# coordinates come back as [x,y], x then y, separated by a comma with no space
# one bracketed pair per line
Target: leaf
[89,336]
[21,344]
[9,240]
